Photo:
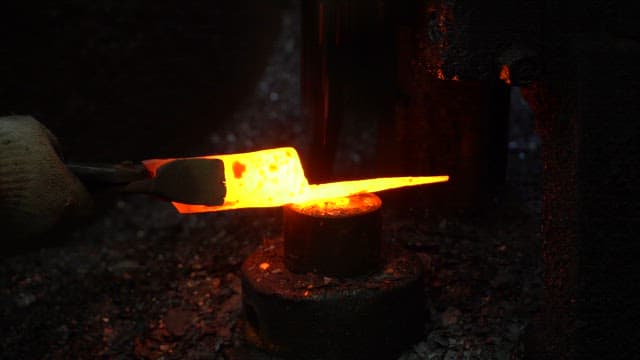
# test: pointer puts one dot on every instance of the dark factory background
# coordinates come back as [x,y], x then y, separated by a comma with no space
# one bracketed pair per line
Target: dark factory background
[539,263]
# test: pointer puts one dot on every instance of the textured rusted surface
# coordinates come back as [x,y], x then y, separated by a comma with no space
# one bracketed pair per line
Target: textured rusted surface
[332,243]
[589,221]
[381,67]
[459,127]
[316,317]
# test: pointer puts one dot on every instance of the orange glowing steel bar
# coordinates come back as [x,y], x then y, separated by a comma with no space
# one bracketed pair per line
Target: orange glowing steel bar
[274,177]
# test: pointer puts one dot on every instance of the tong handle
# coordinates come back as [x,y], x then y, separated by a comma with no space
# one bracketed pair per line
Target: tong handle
[109,174]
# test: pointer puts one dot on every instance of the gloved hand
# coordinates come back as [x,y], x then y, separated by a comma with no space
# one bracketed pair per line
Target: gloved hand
[37,191]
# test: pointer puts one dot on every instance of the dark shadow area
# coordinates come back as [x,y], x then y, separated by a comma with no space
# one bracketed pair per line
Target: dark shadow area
[136,79]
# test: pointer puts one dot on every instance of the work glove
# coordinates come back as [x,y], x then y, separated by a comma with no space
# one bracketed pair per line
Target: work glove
[37,191]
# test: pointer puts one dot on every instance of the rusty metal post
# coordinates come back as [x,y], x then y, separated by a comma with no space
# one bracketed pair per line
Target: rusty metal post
[347,72]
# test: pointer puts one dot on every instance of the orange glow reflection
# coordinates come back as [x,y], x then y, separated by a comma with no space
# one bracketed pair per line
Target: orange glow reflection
[339,206]
[274,177]
[505,75]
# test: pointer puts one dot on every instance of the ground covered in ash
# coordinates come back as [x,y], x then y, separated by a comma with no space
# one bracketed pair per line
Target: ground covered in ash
[141,281]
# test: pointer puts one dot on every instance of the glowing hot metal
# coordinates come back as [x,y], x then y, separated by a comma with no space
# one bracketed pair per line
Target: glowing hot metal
[274,177]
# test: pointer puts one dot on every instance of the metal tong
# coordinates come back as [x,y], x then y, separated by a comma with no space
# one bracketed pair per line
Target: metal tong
[189,181]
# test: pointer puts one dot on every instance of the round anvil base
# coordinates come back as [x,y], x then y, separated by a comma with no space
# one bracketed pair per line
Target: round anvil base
[308,316]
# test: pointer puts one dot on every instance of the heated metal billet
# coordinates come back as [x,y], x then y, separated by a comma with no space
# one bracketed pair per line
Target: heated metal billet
[264,178]
[275,177]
